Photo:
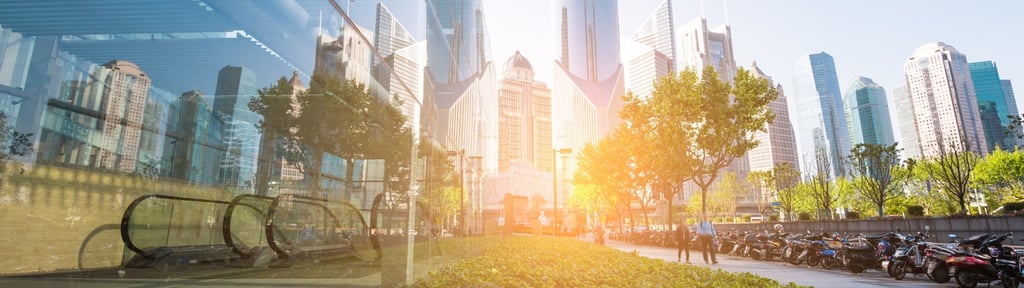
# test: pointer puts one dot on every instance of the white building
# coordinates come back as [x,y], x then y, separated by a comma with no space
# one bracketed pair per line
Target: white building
[942,94]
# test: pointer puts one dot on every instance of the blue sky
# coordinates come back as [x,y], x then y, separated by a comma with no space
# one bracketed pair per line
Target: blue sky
[872,38]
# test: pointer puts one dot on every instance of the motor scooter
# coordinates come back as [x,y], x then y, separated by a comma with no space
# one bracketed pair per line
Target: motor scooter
[993,262]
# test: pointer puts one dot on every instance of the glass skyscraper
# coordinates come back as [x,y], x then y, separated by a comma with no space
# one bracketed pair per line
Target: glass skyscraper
[994,104]
[820,119]
[867,113]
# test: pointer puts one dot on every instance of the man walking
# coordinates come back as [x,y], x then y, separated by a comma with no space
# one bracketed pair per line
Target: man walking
[682,241]
[706,235]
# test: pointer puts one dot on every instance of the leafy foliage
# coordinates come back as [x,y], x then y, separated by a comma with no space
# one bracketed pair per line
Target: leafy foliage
[952,172]
[556,262]
[1004,170]
[878,172]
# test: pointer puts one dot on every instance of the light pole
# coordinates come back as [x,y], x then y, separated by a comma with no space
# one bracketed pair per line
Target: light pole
[554,180]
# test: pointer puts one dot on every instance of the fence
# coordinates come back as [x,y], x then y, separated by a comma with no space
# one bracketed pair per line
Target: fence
[962,226]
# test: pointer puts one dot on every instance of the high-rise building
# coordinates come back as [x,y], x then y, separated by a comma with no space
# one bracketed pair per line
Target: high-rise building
[1011,102]
[524,119]
[651,53]
[945,106]
[588,81]
[820,119]
[993,104]
[389,36]
[700,47]
[776,144]
[236,86]
[191,144]
[867,113]
[904,111]
[346,56]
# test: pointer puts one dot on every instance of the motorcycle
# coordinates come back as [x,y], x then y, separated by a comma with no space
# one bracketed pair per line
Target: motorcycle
[994,262]
[870,256]
[910,256]
[936,255]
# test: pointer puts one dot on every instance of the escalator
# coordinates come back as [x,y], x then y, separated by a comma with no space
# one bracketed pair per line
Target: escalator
[249,231]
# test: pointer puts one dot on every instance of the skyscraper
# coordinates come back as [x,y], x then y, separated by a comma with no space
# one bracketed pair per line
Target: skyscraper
[1011,102]
[820,118]
[236,86]
[993,104]
[867,113]
[651,53]
[524,120]
[700,47]
[905,122]
[588,81]
[776,145]
[942,93]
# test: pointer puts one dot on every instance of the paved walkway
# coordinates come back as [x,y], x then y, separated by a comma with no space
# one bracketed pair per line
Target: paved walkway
[785,273]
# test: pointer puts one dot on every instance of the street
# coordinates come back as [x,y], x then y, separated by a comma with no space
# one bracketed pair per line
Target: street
[784,272]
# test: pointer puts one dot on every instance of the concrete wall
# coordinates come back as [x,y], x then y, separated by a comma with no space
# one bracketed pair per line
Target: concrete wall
[940,227]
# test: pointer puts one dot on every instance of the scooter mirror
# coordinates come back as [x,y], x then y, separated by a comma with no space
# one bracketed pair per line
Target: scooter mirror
[926,227]
[951,235]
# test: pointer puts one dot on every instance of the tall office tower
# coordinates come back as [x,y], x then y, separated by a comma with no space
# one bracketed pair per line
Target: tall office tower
[1011,102]
[820,118]
[462,80]
[650,54]
[236,86]
[345,56]
[777,144]
[867,113]
[123,91]
[588,81]
[905,122]
[945,106]
[994,105]
[524,120]
[389,36]
[700,47]
[189,140]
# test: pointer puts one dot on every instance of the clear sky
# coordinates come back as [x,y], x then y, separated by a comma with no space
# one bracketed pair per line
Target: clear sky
[872,38]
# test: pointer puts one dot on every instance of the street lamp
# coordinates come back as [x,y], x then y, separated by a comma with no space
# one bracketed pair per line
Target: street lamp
[554,179]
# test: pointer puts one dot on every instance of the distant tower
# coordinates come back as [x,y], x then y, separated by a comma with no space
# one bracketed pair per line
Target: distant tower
[820,118]
[904,111]
[945,107]
[867,113]
[124,91]
[651,53]
[236,86]
[995,104]
[524,120]
[700,47]
[777,146]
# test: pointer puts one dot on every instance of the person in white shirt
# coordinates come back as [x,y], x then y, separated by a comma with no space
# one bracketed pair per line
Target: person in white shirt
[706,235]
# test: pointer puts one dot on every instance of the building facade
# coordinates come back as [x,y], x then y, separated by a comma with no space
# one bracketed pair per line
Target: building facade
[904,112]
[651,53]
[867,113]
[994,104]
[820,119]
[945,107]
[700,47]
[776,145]
[524,119]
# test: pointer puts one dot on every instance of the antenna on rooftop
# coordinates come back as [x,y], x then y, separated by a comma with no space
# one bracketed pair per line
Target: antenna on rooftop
[702,9]
[725,3]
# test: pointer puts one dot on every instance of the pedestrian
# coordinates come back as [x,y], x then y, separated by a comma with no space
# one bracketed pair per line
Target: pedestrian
[682,241]
[706,235]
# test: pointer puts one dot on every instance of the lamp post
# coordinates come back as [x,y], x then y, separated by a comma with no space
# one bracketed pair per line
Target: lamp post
[554,180]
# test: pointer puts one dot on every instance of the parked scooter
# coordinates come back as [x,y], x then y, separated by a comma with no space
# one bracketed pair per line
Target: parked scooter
[999,263]
[937,255]
[910,257]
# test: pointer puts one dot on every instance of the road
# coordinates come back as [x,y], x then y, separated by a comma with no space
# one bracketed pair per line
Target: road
[785,273]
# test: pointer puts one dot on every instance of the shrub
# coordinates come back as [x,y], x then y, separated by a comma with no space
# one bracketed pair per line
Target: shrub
[915,211]
[804,216]
[773,218]
[852,215]
[558,262]
[745,218]
[1013,207]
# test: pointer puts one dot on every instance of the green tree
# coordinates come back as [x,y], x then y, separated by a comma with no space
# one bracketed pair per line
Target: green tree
[783,180]
[12,144]
[277,106]
[723,197]
[599,167]
[952,171]
[1003,170]
[821,185]
[711,121]
[764,193]
[878,173]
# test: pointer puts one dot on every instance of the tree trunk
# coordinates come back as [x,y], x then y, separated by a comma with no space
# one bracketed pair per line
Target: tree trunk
[350,164]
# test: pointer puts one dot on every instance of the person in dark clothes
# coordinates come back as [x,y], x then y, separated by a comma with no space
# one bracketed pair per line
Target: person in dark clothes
[682,241]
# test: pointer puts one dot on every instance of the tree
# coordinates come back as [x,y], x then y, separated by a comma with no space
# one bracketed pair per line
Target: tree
[1004,170]
[952,171]
[765,194]
[599,166]
[821,185]
[12,144]
[723,196]
[878,172]
[714,120]
[783,180]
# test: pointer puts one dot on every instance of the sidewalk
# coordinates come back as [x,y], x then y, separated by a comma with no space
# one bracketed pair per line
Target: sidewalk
[782,272]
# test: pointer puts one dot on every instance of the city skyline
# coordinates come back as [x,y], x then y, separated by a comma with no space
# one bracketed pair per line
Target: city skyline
[787,28]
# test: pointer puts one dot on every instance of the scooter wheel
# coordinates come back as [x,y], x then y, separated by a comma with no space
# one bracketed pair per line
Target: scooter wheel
[855,268]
